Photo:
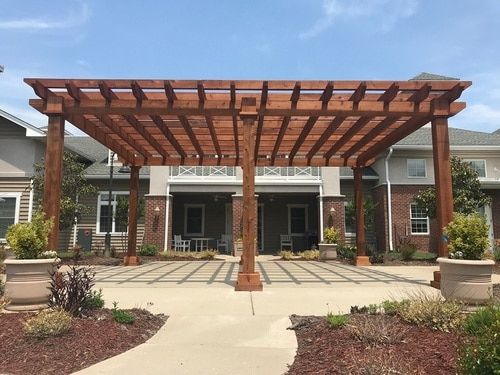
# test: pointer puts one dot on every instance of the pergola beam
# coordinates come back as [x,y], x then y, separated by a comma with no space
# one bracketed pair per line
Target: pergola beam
[168,135]
[139,128]
[358,125]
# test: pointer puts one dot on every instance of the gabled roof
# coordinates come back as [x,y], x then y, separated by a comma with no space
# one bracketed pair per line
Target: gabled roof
[424,76]
[31,131]
[458,137]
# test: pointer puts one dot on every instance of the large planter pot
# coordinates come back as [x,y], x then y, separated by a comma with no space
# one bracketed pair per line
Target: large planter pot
[27,283]
[466,280]
[327,251]
[238,248]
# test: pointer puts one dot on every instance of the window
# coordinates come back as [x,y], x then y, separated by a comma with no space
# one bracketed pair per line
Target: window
[350,218]
[419,220]
[119,213]
[416,168]
[297,219]
[9,211]
[194,219]
[479,166]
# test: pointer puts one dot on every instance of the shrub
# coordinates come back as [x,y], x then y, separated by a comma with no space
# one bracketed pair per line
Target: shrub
[286,254]
[331,235]
[121,316]
[407,251]
[392,307]
[377,258]
[3,253]
[376,331]
[336,321]
[70,290]
[481,321]
[94,300]
[371,309]
[2,288]
[208,254]
[467,236]
[309,254]
[48,323]
[29,240]
[149,250]
[431,312]
[345,251]
[481,355]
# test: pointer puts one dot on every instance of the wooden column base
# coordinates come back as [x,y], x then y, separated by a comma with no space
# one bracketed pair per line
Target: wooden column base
[248,282]
[436,283]
[362,261]
[131,260]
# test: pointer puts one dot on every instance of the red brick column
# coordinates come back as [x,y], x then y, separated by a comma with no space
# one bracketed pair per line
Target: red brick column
[334,218]
[154,223]
[237,204]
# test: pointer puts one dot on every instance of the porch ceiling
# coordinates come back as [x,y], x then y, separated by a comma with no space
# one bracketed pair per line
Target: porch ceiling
[299,123]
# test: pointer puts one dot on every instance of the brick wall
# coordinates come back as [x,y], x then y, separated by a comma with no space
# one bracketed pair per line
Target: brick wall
[337,218]
[154,231]
[380,198]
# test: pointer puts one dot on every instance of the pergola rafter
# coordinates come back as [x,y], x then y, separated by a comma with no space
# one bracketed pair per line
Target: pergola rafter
[248,124]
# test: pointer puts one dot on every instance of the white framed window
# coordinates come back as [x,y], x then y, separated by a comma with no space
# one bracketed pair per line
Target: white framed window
[416,168]
[118,222]
[10,204]
[419,220]
[194,219]
[478,165]
[298,219]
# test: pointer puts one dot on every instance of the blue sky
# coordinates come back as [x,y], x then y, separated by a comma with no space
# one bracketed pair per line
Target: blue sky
[289,39]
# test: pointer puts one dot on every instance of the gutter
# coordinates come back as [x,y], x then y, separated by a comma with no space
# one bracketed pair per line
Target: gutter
[389,199]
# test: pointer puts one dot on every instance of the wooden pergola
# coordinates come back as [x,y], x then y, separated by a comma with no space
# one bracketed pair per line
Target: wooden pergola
[247,124]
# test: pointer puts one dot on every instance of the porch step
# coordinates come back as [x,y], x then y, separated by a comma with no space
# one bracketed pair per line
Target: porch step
[436,283]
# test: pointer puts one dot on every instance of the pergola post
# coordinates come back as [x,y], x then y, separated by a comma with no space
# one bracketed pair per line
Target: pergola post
[361,258]
[131,259]
[248,279]
[442,179]
[53,176]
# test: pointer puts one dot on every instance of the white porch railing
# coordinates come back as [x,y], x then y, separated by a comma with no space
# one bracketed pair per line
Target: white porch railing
[288,173]
[202,173]
[199,173]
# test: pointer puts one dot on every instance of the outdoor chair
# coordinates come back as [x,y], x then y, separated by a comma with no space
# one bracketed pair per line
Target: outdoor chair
[180,244]
[224,243]
[286,241]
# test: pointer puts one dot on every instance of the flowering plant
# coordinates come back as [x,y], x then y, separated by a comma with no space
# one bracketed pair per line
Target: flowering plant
[49,254]
[467,236]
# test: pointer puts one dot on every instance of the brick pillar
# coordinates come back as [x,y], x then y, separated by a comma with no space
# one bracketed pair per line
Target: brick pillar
[237,204]
[334,218]
[154,223]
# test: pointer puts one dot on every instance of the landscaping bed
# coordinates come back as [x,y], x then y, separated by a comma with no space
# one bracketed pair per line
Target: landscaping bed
[322,350]
[90,340]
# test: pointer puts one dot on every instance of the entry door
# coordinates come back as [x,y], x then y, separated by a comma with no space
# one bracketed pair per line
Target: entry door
[260,227]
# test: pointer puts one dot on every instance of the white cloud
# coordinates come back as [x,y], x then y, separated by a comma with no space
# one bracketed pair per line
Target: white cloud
[74,19]
[479,117]
[387,13]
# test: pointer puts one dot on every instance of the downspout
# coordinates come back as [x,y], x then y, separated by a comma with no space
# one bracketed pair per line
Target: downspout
[30,203]
[389,198]
[321,212]
[167,209]
[75,225]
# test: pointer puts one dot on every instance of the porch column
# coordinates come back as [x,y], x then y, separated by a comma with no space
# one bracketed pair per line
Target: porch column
[442,179]
[248,279]
[53,175]
[361,258]
[131,259]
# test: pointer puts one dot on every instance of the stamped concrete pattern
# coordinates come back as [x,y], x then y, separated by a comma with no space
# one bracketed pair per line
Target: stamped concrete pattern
[214,330]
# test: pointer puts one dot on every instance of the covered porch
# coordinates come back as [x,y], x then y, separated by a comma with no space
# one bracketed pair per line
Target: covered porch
[247,124]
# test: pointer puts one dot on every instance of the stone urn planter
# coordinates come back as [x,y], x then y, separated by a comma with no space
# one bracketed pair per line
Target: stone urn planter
[466,280]
[27,283]
[327,251]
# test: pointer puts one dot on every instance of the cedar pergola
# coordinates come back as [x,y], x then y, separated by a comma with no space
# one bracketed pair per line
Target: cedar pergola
[247,123]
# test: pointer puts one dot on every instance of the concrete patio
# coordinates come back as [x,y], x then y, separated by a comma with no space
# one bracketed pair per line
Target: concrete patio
[214,330]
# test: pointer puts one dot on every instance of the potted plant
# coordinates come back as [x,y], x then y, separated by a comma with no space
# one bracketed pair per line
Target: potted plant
[328,248]
[28,274]
[466,274]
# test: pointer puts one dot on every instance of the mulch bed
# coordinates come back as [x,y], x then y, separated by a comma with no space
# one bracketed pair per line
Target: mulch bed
[90,340]
[322,350]
[145,259]
[93,260]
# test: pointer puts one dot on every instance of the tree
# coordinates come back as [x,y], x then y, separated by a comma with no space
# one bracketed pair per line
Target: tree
[467,194]
[74,187]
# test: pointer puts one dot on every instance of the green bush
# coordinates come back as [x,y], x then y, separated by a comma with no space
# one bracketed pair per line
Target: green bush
[48,323]
[336,321]
[345,251]
[3,253]
[331,235]
[2,288]
[208,254]
[407,251]
[29,240]
[121,316]
[149,250]
[481,321]
[467,236]
[481,354]
[286,254]
[309,254]
[391,307]
[94,300]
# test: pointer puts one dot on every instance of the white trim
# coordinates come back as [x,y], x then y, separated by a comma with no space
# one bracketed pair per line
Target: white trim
[412,218]
[485,168]
[408,167]
[31,131]
[306,210]
[191,205]
[17,208]
[113,207]
[30,204]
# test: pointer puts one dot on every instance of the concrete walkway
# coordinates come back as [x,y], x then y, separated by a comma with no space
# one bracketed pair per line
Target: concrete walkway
[214,330]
